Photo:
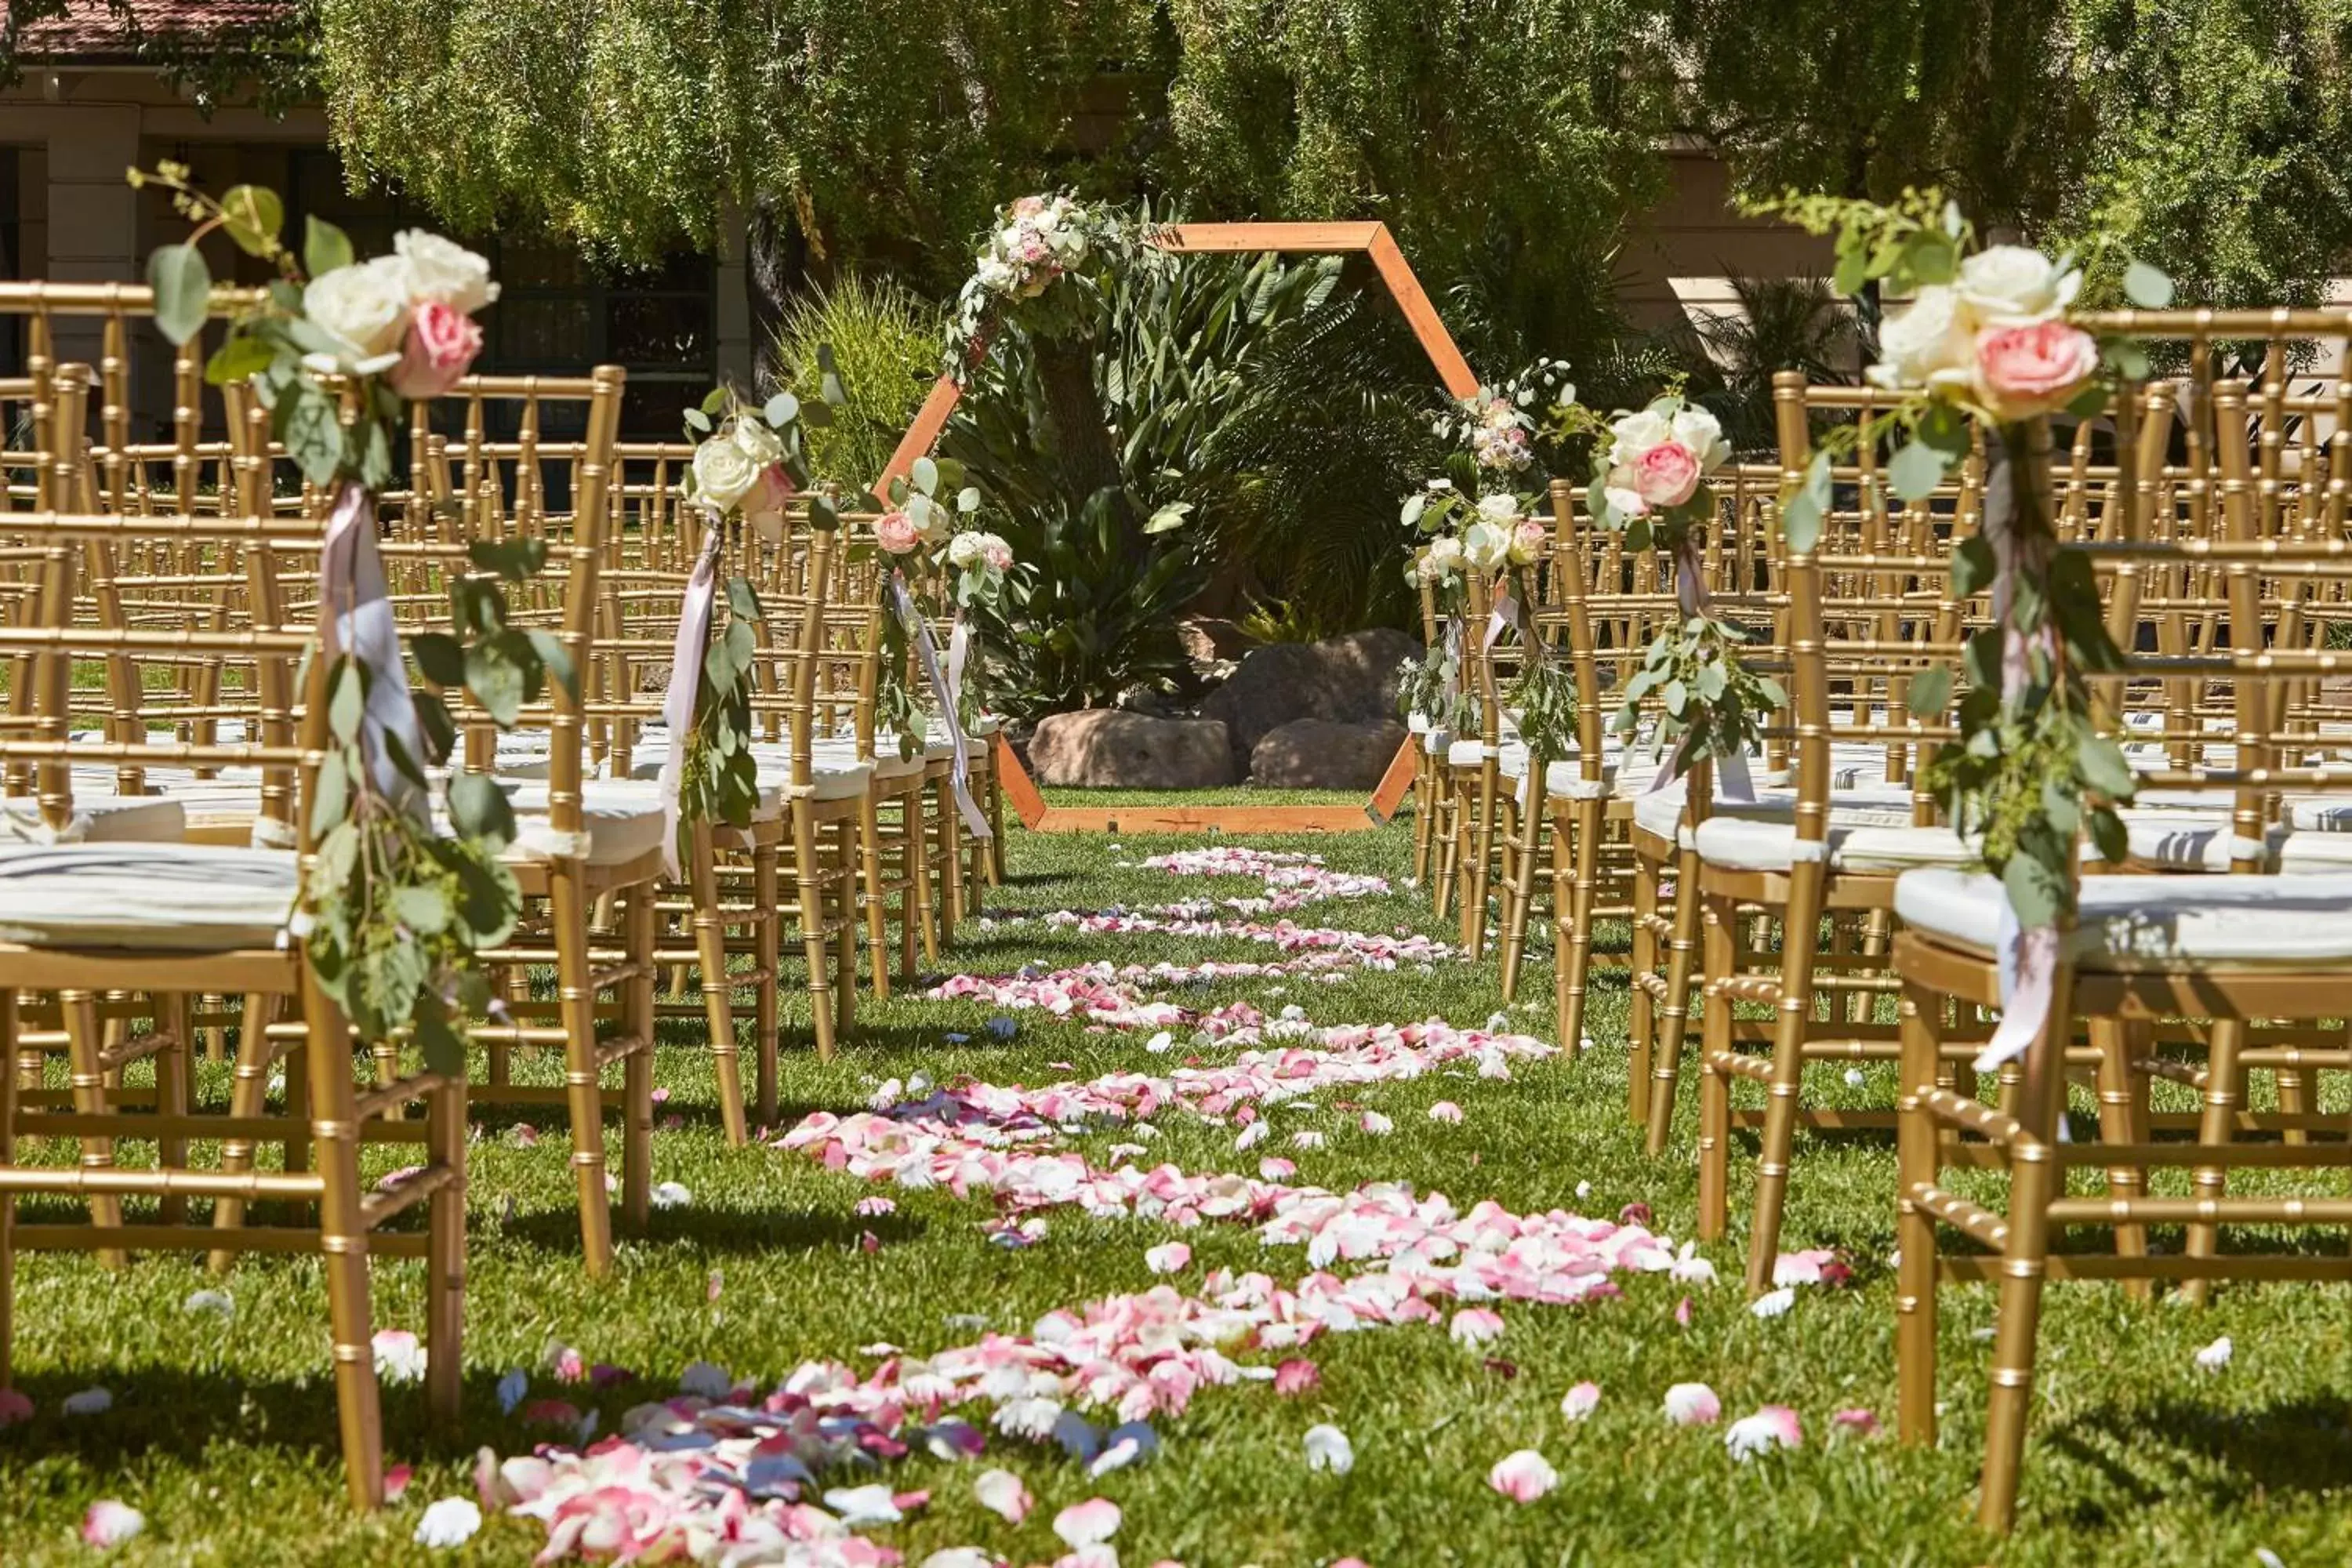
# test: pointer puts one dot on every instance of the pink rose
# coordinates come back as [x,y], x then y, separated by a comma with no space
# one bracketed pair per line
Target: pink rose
[895,532]
[439,349]
[2029,370]
[1528,541]
[1028,206]
[763,504]
[998,555]
[1666,474]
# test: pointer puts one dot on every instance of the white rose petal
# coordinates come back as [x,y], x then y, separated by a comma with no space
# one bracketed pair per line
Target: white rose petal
[723,473]
[2011,285]
[365,304]
[445,270]
[451,1522]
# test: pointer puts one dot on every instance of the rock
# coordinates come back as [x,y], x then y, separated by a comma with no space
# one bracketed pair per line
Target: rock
[1209,640]
[1350,680]
[1107,748]
[1319,754]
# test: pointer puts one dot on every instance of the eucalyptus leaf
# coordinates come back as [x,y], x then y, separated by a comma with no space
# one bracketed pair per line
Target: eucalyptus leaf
[1915,471]
[325,246]
[2148,286]
[183,286]
[252,216]
[1929,692]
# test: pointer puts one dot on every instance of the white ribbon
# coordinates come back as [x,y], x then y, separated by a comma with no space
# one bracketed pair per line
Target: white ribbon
[927,648]
[2027,960]
[685,673]
[1733,783]
[357,620]
[1506,613]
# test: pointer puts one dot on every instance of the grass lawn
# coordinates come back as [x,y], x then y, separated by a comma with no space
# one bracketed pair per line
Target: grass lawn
[223,1431]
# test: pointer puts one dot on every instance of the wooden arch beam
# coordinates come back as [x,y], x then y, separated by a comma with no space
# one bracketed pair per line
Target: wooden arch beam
[1453,372]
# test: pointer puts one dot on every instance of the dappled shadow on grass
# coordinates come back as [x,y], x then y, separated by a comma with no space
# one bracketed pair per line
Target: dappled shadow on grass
[2294,1446]
[718,1231]
[185,1417]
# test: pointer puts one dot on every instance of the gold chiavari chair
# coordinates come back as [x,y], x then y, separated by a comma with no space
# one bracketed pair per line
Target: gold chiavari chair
[1819,853]
[1428,752]
[85,922]
[580,845]
[893,862]
[2214,956]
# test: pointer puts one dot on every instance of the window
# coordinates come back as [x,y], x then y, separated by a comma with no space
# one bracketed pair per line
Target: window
[557,314]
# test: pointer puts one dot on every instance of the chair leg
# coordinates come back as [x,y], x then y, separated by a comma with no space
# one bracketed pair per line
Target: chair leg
[249,1095]
[768,957]
[2225,1096]
[2041,1093]
[1674,1012]
[1722,949]
[2121,1121]
[1478,847]
[1641,1023]
[718,999]
[445,1284]
[914,863]
[343,1244]
[1424,817]
[1574,968]
[952,910]
[1450,857]
[996,827]
[844,877]
[1521,854]
[1916,1155]
[877,913]
[814,946]
[640,925]
[1782,1094]
[83,1042]
[10,1077]
[576,1003]
[174,1065]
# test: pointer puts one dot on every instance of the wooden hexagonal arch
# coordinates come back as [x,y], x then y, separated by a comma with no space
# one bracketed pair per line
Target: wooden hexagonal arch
[1452,371]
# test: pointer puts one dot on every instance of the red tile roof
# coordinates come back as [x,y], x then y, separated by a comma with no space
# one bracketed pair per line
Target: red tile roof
[96,29]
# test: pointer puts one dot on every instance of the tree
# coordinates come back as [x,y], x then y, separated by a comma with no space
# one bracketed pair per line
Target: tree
[1508,144]
[2209,136]
[883,129]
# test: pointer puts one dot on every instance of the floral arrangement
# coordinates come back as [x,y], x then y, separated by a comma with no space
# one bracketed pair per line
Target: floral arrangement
[1498,427]
[1985,341]
[966,567]
[749,463]
[1650,473]
[1474,519]
[399,327]
[1040,266]
[392,913]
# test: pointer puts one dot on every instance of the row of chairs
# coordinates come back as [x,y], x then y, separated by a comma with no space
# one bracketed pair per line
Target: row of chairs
[1839,919]
[158,607]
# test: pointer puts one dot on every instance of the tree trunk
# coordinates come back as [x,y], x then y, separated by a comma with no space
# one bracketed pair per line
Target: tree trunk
[1081,429]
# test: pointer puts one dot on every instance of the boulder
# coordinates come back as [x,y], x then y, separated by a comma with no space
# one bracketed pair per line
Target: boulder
[1349,679]
[1106,747]
[1319,754]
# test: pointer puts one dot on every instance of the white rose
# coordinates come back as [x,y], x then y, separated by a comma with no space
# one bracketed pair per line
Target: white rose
[995,275]
[966,549]
[1446,557]
[759,442]
[1699,431]
[1498,508]
[1931,342]
[1636,434]
[365,304]
[1485,546]
[445,270]
[723,473]
[2010,285]
[1622,498]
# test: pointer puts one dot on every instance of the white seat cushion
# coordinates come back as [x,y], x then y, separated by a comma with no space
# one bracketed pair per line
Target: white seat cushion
[2127,921]
[835,771]
[1660,813]
[1752,843]
[619,825]
[2319,813]
[101,819]
[886,760]
[185,897]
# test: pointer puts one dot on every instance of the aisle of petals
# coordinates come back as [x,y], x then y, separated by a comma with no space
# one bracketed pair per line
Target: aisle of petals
[721,1474]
